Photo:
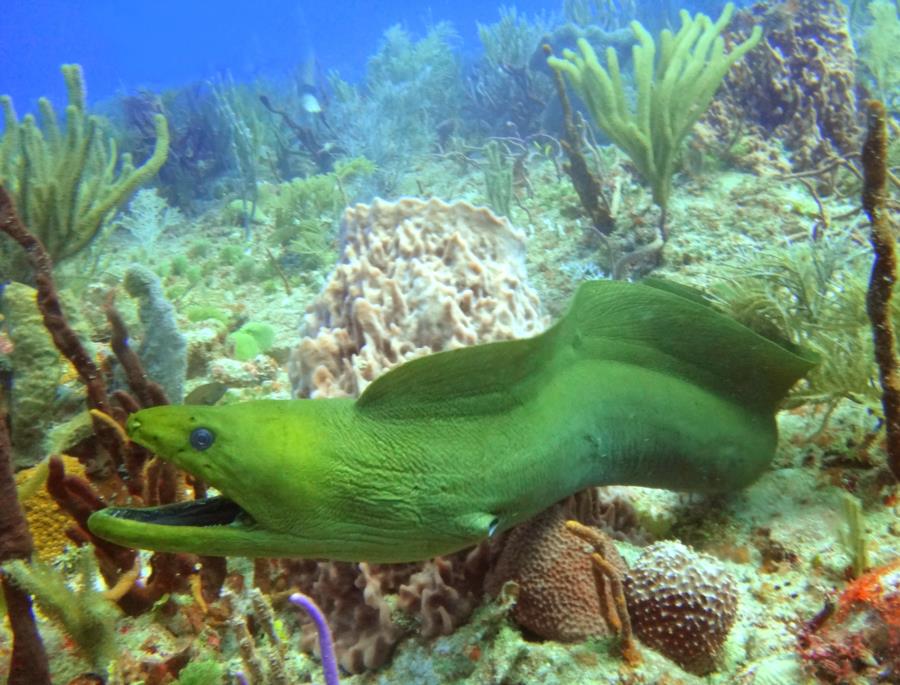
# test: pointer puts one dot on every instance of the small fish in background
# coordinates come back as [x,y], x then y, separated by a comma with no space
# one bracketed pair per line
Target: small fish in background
[306,78]
[306,71]
[207,394]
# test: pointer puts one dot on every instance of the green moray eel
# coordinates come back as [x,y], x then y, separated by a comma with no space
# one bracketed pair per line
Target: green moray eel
[637,384]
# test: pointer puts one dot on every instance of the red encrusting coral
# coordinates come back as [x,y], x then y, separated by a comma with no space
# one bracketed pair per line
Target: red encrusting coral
[859,637]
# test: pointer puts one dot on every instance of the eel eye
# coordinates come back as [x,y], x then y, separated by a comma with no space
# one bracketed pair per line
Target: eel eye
[202,439]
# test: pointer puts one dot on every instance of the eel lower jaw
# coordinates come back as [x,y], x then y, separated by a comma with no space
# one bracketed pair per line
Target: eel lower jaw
[214,526]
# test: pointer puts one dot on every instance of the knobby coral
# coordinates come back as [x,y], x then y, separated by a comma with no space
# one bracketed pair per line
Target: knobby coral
[681,603]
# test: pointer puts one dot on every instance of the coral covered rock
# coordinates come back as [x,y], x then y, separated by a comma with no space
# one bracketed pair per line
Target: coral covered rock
[38,370]
[559,595]
[415,277]
[681,604]
[797,86]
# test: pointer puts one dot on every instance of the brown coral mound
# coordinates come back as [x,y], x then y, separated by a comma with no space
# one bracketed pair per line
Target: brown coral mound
[681,603]
[415,277]
[797,86]
[559,595]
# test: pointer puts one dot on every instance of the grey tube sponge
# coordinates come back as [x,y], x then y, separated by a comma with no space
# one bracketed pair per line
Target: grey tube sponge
[163,349]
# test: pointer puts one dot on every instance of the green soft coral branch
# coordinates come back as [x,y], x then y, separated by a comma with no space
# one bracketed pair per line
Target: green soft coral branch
[637,384]
[674,86]
[67,183]
[74,604]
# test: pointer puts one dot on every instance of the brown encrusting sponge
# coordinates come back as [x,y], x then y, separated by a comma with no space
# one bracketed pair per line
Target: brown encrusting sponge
[681,603]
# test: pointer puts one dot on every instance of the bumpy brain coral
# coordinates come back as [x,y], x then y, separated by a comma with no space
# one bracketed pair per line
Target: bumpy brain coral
[559,595]
[682,604]
[415,276]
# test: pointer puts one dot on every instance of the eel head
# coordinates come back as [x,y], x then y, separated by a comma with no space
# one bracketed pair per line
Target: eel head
[266,462]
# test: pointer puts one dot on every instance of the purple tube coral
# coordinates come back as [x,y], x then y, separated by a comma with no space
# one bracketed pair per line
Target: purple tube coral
[326,644]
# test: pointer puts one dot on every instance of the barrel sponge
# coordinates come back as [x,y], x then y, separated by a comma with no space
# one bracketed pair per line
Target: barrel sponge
[415,277]
[681,603]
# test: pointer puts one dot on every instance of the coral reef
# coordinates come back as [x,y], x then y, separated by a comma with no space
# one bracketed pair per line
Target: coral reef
[46,520]
[405,107]
[28,659]
[251,339]
[415,277]
[110,446]
[681,603]
[884,274]
[788,256]
[199,140]
[86,615]
[371,607]
[439,595]
[326,646]
[148,216]
[506,92]
[858,638]
[352,598]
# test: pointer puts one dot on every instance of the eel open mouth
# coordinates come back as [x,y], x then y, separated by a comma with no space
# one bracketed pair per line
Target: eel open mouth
[210,511]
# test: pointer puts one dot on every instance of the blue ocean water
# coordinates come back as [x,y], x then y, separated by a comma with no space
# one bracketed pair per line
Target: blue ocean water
[124,46]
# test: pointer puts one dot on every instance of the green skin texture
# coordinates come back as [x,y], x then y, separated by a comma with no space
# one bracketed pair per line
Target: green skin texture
[638,384]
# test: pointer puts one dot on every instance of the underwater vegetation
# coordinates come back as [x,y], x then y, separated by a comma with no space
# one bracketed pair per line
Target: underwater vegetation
[570,358]
[67,183]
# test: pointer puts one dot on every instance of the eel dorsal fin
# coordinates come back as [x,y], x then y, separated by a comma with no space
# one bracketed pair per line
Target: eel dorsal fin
[673,329]
[664,327]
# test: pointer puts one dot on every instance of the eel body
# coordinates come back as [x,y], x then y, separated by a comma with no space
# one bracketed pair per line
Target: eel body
[637,384]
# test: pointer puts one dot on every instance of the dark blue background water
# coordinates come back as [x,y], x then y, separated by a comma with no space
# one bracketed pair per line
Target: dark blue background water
[123,45]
